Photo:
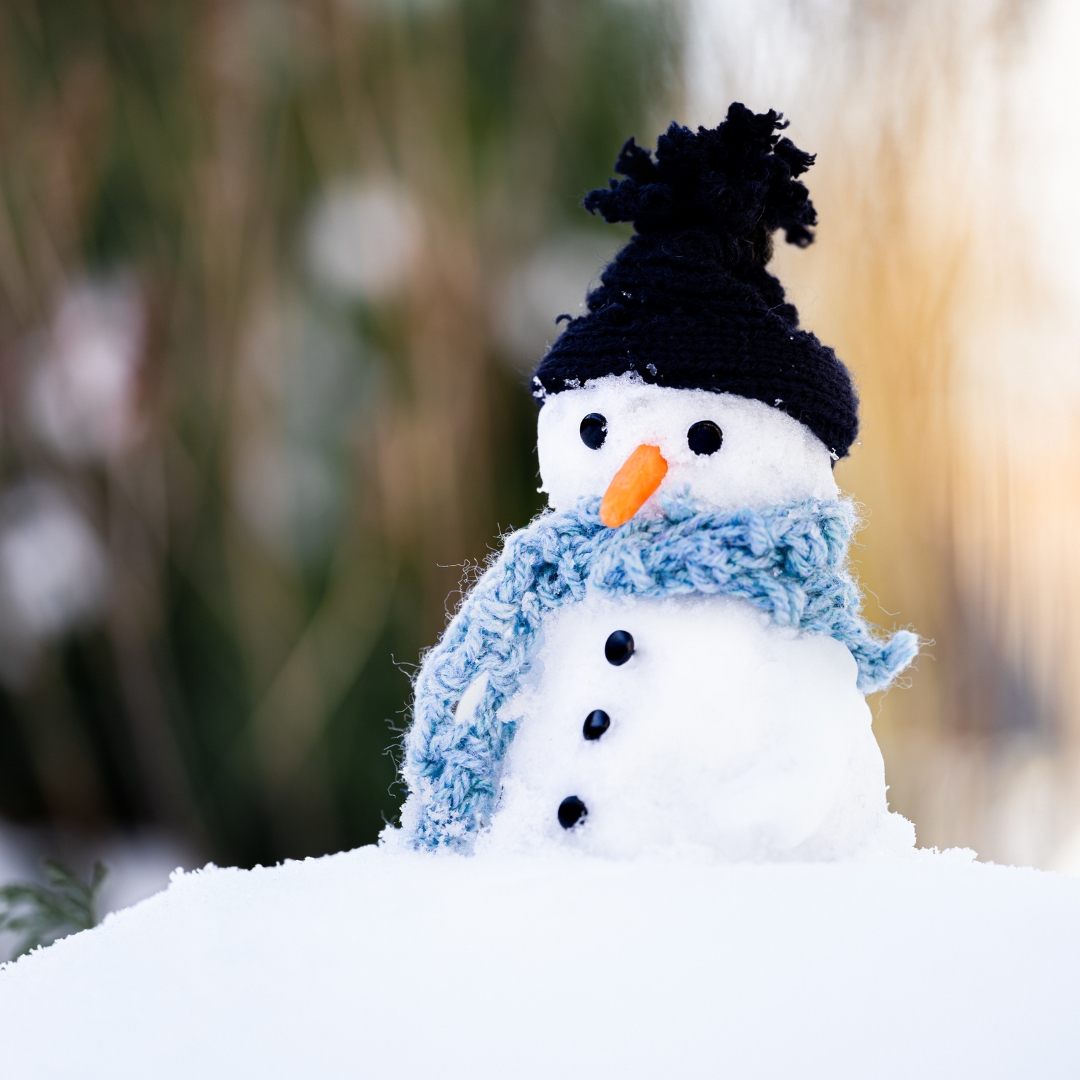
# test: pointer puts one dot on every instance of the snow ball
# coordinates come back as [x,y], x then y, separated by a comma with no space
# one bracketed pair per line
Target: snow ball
[729,738]
[766,458]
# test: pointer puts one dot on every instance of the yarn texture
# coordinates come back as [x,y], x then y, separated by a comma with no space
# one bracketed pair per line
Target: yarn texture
[688,302]
[791,561]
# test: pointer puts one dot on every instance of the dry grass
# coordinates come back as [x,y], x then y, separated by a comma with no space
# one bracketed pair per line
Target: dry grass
[928,280]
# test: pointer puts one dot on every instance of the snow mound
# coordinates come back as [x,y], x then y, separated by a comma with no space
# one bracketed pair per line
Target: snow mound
[382,963]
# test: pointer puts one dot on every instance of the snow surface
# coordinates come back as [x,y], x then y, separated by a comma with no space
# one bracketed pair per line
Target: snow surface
[375,963]
[766,458]
[729,735]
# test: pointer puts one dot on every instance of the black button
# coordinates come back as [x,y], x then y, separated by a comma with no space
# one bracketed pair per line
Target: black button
[619,647]
[596,723]
[571,811]
[704,437]
[593,430]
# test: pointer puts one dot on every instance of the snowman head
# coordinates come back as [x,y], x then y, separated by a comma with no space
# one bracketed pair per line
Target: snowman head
[630,442]
[689,370]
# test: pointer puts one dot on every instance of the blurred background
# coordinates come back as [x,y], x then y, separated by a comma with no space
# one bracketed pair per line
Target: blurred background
[273,275]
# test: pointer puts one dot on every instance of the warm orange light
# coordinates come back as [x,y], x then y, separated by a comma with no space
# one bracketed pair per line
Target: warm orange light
[639,477]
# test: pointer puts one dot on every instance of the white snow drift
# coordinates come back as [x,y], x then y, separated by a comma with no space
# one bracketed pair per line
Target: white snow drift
[375,964]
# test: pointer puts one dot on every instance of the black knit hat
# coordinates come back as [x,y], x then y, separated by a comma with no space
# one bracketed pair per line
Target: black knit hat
[688,302]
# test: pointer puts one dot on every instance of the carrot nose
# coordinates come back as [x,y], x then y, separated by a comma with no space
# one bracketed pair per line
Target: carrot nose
[639,477]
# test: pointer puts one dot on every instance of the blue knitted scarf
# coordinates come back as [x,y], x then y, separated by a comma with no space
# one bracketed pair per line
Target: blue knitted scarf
[789,560]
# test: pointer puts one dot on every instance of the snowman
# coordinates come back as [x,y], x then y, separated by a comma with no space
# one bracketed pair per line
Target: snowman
[672,658]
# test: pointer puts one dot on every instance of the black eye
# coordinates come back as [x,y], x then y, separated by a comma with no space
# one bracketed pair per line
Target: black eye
[703,438]
[593,431]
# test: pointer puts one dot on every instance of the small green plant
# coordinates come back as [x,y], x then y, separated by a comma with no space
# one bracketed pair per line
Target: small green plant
[42,914]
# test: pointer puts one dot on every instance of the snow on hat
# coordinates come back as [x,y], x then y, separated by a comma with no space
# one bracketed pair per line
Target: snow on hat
[688,303]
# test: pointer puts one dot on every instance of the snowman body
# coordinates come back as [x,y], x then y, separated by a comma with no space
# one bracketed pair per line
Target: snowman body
[718,731]
[726,734]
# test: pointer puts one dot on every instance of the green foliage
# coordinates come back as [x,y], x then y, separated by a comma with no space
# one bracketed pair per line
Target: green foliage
[42,914]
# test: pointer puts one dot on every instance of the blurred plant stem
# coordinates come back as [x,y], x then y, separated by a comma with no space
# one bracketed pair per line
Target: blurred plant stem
[318,205]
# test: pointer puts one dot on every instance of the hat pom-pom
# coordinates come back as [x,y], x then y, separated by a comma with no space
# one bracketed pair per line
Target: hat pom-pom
[737,181]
